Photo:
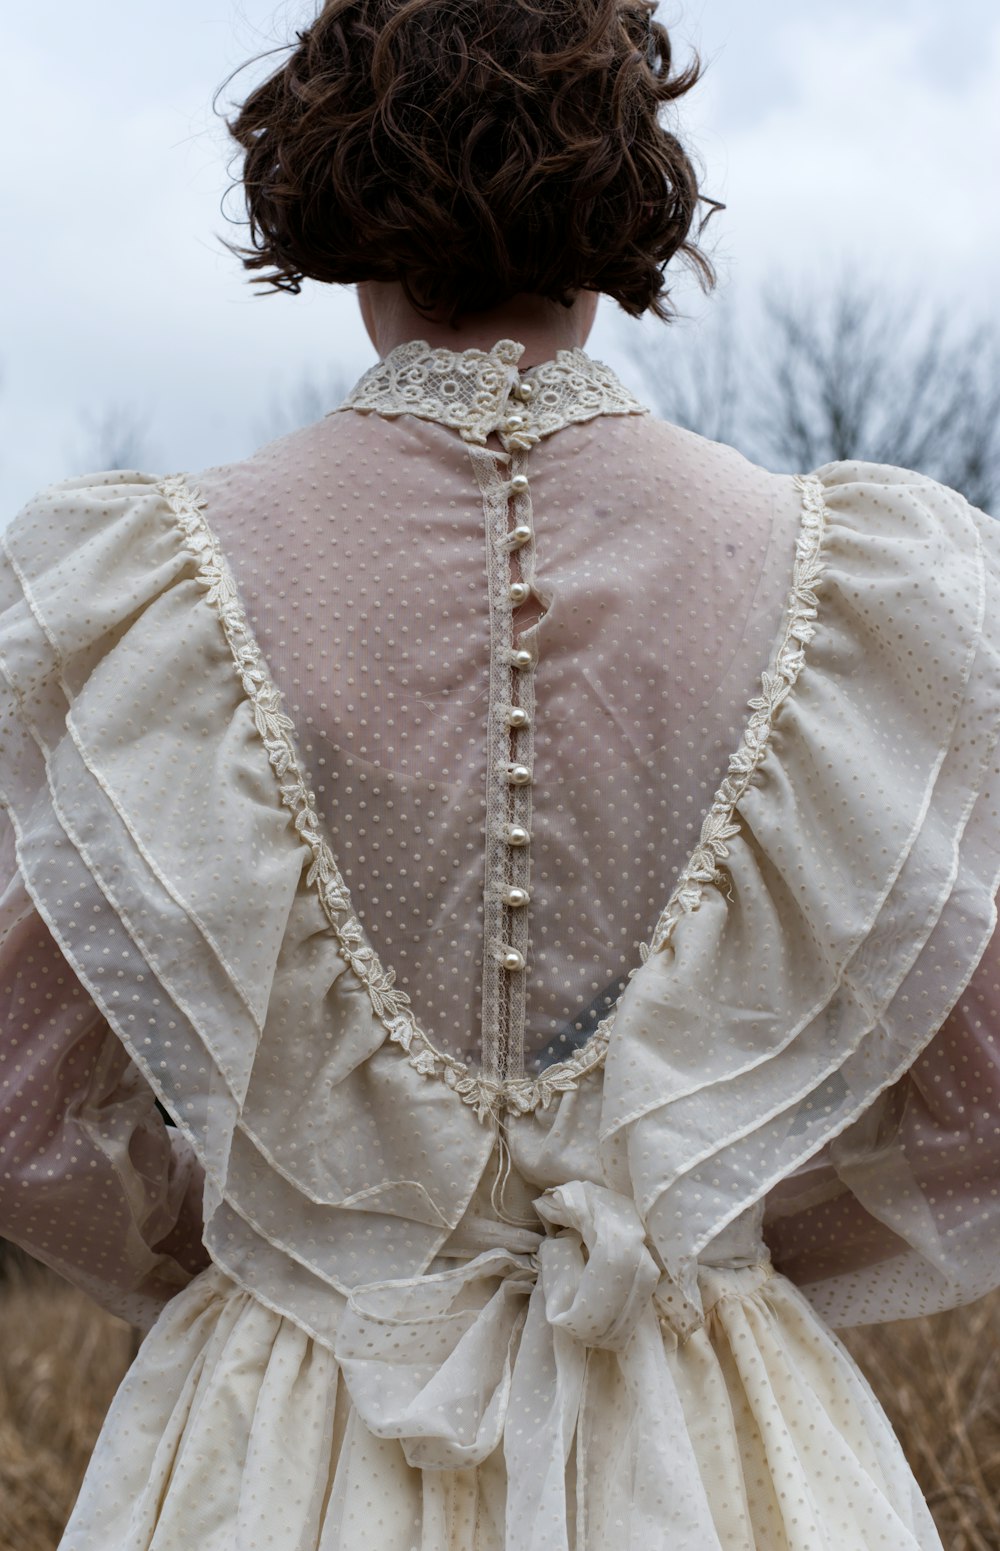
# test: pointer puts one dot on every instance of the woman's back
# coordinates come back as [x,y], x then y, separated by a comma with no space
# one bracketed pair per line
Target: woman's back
[753,793]
[369,560]
[543,865]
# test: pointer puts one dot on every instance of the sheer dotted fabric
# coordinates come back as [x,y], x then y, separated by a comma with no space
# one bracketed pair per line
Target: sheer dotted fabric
[863,1240]
[777,1419]
[90,1179]
[658,584]
[493,1298]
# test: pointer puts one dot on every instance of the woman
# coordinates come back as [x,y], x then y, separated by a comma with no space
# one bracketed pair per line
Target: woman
[667,787]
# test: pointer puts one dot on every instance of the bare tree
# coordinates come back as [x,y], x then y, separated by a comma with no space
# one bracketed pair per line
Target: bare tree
[117,437]
[846,373]
[693,376]
[309,400]
[856,375]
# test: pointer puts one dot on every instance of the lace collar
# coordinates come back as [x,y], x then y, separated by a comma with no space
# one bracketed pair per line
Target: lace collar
[472,391]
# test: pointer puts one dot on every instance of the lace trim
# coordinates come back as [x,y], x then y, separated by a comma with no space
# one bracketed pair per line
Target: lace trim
[469,391]
[703,868]
[392,1006]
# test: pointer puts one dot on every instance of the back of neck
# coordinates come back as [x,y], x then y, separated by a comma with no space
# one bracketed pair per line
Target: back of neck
[542,326]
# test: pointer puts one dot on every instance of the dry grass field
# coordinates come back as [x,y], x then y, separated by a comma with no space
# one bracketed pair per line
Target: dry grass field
[61,1360]
[939,1380]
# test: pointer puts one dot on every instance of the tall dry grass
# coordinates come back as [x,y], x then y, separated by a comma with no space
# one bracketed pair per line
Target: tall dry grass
[61,1360]
[939,1381]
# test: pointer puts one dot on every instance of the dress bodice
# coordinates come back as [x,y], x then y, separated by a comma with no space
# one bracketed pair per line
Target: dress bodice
[534,996]
[515,694]
[758,790]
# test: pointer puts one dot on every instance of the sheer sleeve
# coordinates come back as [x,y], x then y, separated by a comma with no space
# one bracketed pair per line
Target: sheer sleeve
[900,1216]
[92,1180]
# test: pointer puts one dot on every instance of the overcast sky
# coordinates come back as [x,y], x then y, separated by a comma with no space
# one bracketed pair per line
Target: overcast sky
[868,128]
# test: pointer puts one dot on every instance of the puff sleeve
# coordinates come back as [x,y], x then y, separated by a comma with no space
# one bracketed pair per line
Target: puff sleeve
[842,951]
[900,1216]
[93,1181]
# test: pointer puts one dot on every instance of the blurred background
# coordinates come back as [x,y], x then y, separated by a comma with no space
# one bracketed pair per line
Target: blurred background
[855,147]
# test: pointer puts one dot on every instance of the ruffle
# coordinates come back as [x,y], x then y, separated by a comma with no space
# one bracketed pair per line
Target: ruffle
[857,896]
[841,921]
[152,837]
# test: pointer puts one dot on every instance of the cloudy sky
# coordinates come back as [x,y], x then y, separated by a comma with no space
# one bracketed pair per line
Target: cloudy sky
[869,129]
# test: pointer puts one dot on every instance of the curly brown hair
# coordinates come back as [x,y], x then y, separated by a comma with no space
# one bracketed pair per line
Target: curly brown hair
[473,150]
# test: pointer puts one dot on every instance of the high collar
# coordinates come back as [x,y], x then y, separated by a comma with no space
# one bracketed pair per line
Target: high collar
[479,392]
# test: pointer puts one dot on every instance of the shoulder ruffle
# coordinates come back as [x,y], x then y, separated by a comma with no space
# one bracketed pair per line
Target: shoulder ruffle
[847,910]
[858,893]
[154,842]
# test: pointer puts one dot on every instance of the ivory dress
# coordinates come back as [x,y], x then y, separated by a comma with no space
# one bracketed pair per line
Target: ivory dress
[667,787]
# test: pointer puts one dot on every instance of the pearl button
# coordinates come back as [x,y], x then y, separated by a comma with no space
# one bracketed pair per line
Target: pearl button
[524,391]
[517,717]
[519,484]
[517,835]
[515,423]
[516,898]
[523,659]
[518,775]
[521,534]
[519,592]
[512,960]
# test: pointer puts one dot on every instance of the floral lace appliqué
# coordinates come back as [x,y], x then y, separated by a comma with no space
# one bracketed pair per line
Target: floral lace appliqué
[469,391]
[776,685]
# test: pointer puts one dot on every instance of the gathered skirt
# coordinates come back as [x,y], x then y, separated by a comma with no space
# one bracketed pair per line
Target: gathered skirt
[234,1431]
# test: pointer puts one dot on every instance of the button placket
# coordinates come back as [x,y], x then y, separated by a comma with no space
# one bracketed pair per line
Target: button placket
[507,508]
[522,531]
[517,771]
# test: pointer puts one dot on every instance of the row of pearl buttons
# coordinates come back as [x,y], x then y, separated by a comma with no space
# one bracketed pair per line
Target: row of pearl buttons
[518,775]
[522,534]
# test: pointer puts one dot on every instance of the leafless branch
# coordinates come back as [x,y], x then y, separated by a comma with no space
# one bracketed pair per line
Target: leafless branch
[116,438]
[307,401]
[848,372]
[854,373]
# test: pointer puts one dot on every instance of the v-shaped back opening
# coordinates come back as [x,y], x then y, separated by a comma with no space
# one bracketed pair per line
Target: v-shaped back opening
[360,552]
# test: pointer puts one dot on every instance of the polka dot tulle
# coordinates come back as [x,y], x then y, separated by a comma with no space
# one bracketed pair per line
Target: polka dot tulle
[641,679]
[497,958]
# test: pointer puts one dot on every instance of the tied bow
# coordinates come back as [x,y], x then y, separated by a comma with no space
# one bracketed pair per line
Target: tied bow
[435,1362]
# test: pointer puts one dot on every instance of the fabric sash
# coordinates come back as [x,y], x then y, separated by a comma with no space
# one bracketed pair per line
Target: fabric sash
[497,1350]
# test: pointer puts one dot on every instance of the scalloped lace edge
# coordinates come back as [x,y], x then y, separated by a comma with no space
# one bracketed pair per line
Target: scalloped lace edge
[570,389]
[390,1005]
